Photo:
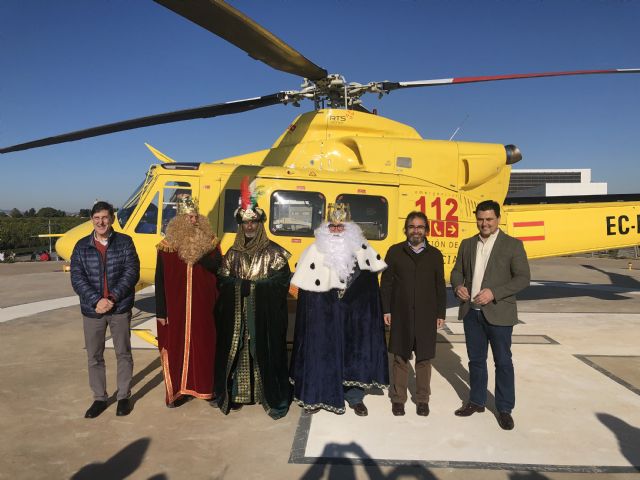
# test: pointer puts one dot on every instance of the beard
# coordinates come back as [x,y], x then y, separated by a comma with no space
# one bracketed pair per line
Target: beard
[339,249]
[192,242]
[416,240]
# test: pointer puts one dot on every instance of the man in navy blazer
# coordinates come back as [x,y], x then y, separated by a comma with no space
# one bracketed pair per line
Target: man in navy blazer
[490,269]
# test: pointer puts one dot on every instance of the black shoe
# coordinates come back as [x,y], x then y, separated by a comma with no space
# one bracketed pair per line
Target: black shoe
[235,406]
[505,420]
[468,409]
[422,409]
[96,409]
[124,407]
[360,409]
[397,409]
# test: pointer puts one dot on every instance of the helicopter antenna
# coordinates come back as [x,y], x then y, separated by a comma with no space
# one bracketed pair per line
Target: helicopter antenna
[455,132]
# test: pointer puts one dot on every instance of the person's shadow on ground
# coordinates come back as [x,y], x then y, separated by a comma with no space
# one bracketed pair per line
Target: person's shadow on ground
[338,461]
[120,466]
[628,437]
[449,364]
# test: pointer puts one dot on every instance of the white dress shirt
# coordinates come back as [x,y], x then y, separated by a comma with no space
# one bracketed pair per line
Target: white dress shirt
[483,251]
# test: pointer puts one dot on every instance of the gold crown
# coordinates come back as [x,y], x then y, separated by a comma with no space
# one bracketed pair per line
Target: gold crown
[187,206]
[338,213]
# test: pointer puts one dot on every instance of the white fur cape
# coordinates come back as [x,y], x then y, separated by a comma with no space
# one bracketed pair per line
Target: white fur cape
[313,274]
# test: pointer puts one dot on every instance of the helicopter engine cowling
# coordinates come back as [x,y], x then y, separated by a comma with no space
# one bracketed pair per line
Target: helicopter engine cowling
[479,162]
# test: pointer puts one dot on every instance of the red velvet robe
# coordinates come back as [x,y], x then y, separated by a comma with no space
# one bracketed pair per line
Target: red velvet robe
[186,295]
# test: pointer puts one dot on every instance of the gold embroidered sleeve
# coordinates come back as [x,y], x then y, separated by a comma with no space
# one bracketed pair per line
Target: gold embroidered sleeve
[225,268]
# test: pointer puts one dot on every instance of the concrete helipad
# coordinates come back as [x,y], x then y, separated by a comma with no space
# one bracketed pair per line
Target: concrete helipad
[577,360]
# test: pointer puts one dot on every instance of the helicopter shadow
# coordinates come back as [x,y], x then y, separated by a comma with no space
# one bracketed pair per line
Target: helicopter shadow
[119,466]
[619,286]
[550,290]
[622,281]
[146,304]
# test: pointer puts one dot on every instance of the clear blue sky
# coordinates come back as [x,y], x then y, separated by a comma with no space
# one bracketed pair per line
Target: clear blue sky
[73,64]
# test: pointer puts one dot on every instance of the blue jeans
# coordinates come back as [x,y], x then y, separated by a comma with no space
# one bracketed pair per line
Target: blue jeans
[479,334]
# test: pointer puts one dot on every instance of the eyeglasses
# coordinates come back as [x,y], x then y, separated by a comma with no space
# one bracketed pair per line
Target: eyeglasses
[333,226]
[417,227]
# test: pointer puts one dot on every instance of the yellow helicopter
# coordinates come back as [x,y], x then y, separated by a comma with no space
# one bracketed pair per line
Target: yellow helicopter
[341,152]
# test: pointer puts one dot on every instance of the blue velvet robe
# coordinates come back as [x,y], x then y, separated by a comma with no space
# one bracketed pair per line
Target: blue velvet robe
[338,342]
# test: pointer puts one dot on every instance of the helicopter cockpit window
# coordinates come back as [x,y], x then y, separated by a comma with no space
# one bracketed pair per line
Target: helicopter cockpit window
[124,213]
[370,212]
[173,192]
[231,197]
[296,214]
[149,221]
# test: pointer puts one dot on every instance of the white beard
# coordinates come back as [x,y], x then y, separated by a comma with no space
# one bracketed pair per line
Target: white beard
[339,249]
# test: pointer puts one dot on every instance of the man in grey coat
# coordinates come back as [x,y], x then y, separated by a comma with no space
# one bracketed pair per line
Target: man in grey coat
[490,269]
[414,303]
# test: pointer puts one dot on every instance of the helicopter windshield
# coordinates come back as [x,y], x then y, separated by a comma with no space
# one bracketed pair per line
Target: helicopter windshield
[124,213]
[130,205]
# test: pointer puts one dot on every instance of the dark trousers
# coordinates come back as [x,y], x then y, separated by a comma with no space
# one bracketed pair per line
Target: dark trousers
[353,395]
[95,330]
[400,370]
[479,334]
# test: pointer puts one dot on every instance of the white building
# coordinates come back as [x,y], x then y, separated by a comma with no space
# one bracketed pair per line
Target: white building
[553,182]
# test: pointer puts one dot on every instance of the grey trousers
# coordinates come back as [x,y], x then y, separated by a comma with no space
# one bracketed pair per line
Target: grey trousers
[95,330]
[400,381]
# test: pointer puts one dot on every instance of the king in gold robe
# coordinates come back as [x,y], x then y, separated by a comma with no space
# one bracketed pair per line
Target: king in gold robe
[252,318]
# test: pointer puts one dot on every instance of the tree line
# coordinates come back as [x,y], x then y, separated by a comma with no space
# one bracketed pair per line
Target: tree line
[20,234]
[44,212]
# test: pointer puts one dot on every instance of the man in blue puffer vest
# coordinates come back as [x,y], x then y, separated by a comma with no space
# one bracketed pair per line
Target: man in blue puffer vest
[104,271]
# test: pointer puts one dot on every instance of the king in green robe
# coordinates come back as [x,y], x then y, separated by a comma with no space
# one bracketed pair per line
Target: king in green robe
[252,318]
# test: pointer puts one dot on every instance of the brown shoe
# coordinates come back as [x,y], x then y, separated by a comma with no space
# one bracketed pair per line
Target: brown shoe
[360,409]
[422,409]
[505,420]
[468,410]
[397,409]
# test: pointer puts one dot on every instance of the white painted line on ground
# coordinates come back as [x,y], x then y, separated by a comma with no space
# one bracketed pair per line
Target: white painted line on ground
[27,309]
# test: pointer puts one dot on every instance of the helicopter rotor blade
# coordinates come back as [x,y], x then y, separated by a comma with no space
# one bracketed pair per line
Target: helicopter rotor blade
[236,28]
[207,111]
[389,86]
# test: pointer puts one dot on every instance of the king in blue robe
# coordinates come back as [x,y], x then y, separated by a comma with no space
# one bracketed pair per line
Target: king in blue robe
[339,341]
